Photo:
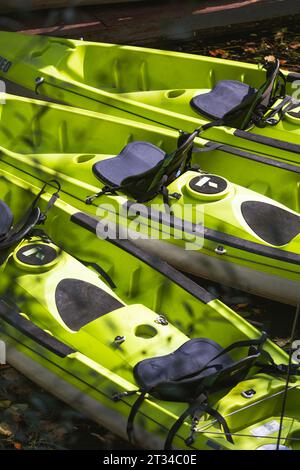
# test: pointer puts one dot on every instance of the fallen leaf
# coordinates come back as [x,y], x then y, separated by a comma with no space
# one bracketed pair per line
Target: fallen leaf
[218,53]
[270,58]
[17,411]
[257,311]
[279,36]
[241,306]
[5,430]
[5,404]
[244,313]
[20,407]
[250,50]
[295,45]
[281,342]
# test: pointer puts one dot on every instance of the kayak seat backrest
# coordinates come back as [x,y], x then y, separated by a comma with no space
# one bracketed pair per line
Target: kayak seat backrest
[198,365]
[79,302]
[142,169]
[236,104]
[135,159]
[19,231]
[273,224]
[6,219]
[224,97]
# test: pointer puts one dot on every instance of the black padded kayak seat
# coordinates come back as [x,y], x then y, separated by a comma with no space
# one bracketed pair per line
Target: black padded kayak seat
[6,219]
[189,374]
[142,170]
[189,362]
[135,159]
[273,224]
[223,98]
[79,302]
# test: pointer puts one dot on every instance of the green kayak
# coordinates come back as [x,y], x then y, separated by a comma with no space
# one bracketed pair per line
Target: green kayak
[235,103]
[217,221]
[150,355]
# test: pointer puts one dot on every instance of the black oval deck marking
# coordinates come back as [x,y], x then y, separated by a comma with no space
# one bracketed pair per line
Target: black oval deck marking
[273,224]
[79,302]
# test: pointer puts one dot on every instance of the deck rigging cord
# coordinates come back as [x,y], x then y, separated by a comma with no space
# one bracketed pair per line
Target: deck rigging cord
[285,394]
[211,422]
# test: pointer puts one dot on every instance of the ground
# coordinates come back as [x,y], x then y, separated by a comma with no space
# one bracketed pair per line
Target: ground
[281,39]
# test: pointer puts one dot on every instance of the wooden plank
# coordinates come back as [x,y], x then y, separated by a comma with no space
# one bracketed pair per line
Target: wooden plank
[31,5]
[153,21]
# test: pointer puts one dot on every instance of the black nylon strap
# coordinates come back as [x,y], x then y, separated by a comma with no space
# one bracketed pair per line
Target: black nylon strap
[100,271]
[287,105]
[41,192]
[22,229]
[241,344]
[293,104]
[105,190]
[32,217]
[193,408]
[216,123]
[272,73]
[18,227]
[51,202]
[269,141]
[135,408]
[178,423]
[215,414]
[213,146]
[165,192]
[279,369]
[279,107]
[184,146]
[296,115]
